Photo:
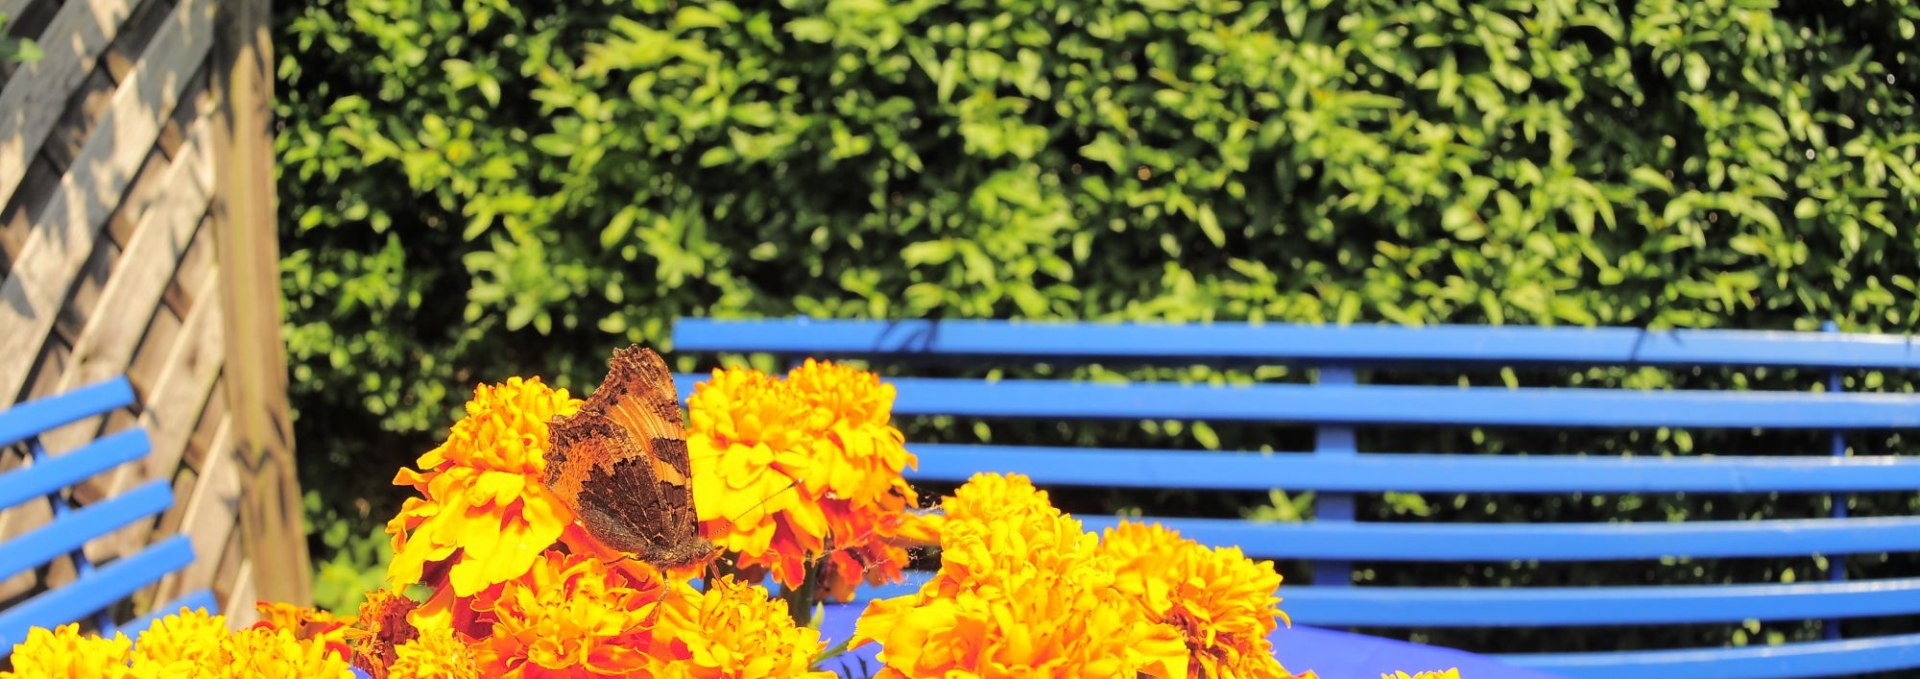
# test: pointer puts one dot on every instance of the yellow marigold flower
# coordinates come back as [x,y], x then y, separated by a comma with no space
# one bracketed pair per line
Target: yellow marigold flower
[733,630]
[568,615]
[380,629]
[1222,602]
[787,472]
[483,501]
[748,456]
[305,624]
[436,653]
[65,652]
[991,497]
[1449,674]
[188,643]
[1020,592]
[269,652]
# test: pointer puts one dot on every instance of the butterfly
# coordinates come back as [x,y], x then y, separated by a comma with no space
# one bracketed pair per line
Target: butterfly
[621,464]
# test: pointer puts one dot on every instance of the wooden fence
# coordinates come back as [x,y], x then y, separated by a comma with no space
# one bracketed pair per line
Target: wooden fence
[137,237]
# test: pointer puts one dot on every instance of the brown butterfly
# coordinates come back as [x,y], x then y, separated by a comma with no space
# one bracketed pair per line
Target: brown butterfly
[621,465]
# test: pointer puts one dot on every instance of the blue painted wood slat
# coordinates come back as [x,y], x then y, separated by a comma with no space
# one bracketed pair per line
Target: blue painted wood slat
[1395,404]
[1218,342]
[60,471]
[41,415]
[71,532]
[1455,542]
[1583,606]
[1377,472]
[1812,659]
[94,591]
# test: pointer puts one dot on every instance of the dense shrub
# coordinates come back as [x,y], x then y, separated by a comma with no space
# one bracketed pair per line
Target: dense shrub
[477,189]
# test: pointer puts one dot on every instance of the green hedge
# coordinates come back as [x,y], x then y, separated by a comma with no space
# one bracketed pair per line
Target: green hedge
[474,190]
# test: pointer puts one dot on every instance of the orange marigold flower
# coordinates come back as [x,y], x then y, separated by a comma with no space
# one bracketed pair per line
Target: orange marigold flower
[305,624]
[787,472]
[568,615]
[733,630]
[1020,592]
[1432,674]
[1222,602]
[185,644]
[65,652]
[437,653]
[749,455]
[483,503]
[269,652]
[381,628]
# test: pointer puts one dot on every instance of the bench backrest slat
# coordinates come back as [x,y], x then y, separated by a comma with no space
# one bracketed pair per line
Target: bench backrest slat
[1395,404]
[1414,472]
[61,471]
[96,590]
[35,417]
[1820,659]
[1577,606]
[1229,342]
[1496,542]
[71,532]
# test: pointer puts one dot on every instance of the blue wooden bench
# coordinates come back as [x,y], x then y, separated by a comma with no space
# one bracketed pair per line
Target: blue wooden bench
[1336,403]
[46,478]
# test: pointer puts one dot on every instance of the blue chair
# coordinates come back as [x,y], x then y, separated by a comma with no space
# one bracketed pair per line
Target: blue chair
[95,588]
[1336,403]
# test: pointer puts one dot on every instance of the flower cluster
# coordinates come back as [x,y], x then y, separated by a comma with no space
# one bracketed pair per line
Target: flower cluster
[801,477]
[185,644]
[519,588]
[1448,674]
[798,478]
[1023,590]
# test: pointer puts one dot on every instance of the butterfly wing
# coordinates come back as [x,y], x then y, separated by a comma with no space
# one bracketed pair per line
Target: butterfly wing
[621,464]
[638,395]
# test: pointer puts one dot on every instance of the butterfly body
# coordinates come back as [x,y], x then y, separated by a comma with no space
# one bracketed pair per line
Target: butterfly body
[621,465]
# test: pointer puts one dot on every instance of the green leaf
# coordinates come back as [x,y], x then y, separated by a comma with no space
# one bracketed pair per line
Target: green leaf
[932,252]
[618,227]
[1806,209]
[811,30]
[1646,178]
[717,156]
[1210,225]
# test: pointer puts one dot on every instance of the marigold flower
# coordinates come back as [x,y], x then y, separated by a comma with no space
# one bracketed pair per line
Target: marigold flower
[269,652]
[305,624]
[1432,674]
[65,652]
[790,472]
[1222,602]
[732,631]
[1020,592]
[185,644]
[483,502]
[380,629]
[568,616]
[437,653]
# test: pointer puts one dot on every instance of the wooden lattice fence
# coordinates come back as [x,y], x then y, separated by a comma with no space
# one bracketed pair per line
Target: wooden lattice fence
[137,238]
